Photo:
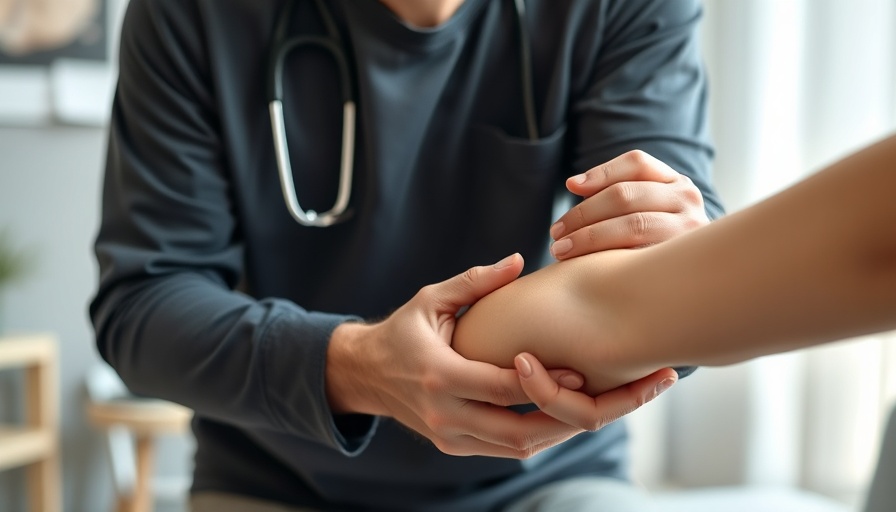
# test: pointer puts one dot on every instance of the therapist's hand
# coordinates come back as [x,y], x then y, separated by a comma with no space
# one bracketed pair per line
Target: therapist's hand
[583,411]
[404,368]
[631,201]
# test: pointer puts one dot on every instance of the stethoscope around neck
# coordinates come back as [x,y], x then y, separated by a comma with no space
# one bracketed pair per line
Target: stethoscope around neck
[332,43]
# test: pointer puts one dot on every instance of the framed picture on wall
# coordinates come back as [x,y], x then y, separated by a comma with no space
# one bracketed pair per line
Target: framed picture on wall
[55,60]
[39,32]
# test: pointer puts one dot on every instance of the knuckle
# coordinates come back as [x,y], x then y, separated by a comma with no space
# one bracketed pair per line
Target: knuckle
[427,293]
[548,401]
[445,446]
[694,222]
[501,395]
[639,225]
[435,421]
[469,276]
[599,421]
[433,384]
[638,402]
[593,235]
[522,450]
[527,453]
[639,158]
[623,193]
[578,214]
[596,423]
[690,193]
[634,404]
[520,443]
[607,171]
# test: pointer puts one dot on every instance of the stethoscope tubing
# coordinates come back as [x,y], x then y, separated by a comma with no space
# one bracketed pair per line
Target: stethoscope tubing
[332,45]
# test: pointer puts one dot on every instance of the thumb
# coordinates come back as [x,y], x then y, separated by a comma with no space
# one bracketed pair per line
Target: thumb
[477,282]
[583,411]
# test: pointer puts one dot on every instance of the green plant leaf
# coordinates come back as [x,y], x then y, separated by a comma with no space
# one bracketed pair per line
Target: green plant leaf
[14,263]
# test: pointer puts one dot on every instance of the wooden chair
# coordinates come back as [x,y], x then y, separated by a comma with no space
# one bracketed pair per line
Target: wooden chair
[35,444]
[131,424]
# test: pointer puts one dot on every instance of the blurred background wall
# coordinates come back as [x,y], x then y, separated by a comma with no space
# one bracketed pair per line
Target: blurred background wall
[794,83]
[53,107]
[49,193]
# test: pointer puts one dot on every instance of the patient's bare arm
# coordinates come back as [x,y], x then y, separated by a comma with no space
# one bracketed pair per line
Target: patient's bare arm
[812,264]
[554,315]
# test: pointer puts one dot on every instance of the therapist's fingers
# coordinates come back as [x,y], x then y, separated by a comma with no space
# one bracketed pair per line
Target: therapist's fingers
[452,436]
[467,415]
[583,411]
[464,289]
[484,382]
[624,188]
[627,197]
[631,166]
[523,434]
[626,232]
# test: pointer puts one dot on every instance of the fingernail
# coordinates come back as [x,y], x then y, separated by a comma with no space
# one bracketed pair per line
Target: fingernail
[506,262]
[663,386]
[561,247]
[557,230]
[571,381]
[579,179]
[523,366]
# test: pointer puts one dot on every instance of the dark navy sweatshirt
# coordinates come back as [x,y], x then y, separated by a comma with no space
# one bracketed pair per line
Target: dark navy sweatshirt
[212,296]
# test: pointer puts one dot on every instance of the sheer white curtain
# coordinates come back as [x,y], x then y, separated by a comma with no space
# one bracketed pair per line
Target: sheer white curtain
[794,84]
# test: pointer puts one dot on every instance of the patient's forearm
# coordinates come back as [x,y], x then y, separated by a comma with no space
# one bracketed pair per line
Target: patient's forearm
[815,263]
[552,314]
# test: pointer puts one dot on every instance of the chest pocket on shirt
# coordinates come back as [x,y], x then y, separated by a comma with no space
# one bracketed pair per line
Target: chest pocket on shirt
[513,182]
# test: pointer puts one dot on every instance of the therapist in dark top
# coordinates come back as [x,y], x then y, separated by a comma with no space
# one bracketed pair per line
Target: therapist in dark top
[318,359]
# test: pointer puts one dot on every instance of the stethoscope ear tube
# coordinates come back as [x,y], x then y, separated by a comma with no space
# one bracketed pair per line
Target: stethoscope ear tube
[275,54]
[275,79]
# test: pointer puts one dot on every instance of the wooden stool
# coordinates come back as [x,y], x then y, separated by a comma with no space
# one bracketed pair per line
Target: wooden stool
[36,443]
[115,411]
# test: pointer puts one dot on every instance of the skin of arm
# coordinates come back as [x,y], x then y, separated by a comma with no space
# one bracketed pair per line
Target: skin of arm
[814,263]
[404,367]
[555,315]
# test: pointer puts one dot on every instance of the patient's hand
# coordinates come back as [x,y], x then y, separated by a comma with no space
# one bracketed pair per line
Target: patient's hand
[561,314]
